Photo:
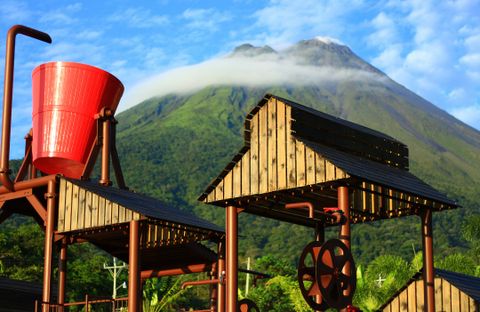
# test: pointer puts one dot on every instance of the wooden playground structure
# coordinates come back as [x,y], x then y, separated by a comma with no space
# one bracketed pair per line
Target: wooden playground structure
[305,167]
[297,165]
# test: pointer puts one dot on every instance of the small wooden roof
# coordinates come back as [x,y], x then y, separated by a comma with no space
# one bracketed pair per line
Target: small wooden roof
[85,205]
[293,153]
[100,215]
[468,285]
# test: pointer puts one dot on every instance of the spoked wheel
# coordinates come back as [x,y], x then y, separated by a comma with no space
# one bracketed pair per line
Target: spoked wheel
[336,274]
[307,276]
[247,305]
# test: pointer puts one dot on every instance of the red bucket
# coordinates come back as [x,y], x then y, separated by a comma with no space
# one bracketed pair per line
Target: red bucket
[66,97]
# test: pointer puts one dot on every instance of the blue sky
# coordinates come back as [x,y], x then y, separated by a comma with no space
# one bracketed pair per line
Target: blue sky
[431,47]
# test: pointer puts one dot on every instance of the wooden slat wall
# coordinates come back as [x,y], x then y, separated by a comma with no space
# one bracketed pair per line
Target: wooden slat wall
[448,298]
[158,235]
[391,203]
[275,160]
[80,209]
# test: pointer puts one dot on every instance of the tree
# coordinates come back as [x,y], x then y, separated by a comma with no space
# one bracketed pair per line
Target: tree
[382,278]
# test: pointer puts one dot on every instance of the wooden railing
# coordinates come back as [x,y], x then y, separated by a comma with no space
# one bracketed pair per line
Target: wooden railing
[88,305]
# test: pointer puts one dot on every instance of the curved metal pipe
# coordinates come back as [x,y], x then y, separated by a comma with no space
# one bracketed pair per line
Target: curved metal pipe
[335,216]
[8,95]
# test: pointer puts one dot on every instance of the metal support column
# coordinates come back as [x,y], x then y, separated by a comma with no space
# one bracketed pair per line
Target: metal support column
[49,227]
[343,205]
[62,273]
[428,270]
[232,258]
[221,278]
[134,268]
[105,170]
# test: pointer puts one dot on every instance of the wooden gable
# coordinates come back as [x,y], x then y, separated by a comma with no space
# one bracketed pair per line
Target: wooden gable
[79,209]
[273,158]
[448,298]
[293,153]
[85,213]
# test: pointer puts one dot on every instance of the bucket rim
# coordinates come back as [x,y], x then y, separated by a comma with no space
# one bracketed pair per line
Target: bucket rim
[83,66]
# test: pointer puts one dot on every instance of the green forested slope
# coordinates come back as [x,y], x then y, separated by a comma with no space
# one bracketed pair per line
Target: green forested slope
[173,146]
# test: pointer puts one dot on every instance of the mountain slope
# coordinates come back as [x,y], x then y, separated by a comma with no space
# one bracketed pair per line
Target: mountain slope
[172,146]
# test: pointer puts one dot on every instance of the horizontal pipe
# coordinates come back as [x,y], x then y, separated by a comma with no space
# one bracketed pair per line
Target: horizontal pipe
[195,268]
[23,185]
[199,283]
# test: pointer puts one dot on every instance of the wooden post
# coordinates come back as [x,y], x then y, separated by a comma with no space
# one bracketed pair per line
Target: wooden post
[232,258]
[47,263]
[428,269]
[134,267]
[62,274]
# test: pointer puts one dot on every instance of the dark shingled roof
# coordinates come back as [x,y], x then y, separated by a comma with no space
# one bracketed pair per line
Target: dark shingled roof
[147,206]
[470,285]
[377,173]
[466,283]
[20,286]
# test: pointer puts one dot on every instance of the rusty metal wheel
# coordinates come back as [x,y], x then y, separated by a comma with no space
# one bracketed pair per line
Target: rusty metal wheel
[307,280]
[247,305]
[336,274]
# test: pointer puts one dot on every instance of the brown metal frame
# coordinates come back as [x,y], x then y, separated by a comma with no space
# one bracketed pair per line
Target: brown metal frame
[105,141]
[48,252]
[231,230]
[134,285]
[62,272]
[428,268]
[221,276]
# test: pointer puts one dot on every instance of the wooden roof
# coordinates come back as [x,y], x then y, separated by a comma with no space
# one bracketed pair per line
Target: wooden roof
[100,215]
[293,153]
[85,205]
[450,295]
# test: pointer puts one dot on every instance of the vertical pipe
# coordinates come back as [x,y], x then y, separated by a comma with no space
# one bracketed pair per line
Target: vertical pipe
[428,270]
[232,258]
[105,171]
[213,289]
[8,95]
[319,237]
[221,278]
[62,274]
[134,267]
[47,264]
[343,205]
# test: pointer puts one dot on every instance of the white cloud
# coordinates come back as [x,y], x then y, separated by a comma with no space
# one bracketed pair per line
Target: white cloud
[139,18]
[205,19]
[74,52]
[239,71]
[89,34]
[468,114]
[471,60]
[457,94]
[14,11]
[283,22]
[61,16]
[385,31]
